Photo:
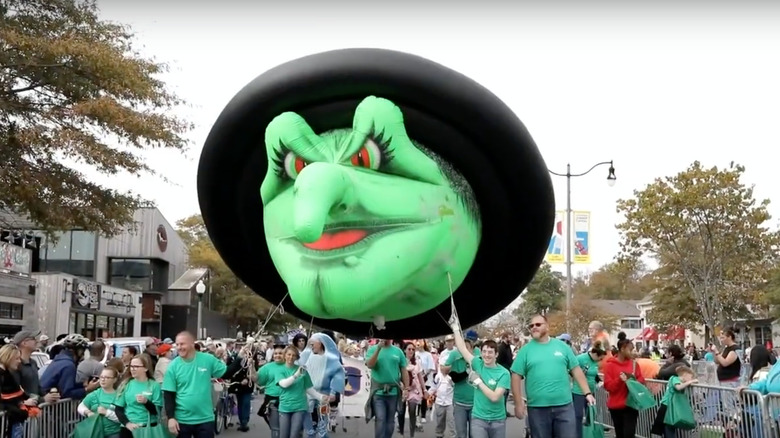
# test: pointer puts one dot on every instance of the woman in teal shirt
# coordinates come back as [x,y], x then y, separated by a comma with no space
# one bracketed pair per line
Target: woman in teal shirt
[589,363]
[101,402]
[293,404]
[140,399]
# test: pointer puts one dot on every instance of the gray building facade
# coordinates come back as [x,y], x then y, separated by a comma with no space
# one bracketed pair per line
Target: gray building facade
[144,260]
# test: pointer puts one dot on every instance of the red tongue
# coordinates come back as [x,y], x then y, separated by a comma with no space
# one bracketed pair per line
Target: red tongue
[336,240]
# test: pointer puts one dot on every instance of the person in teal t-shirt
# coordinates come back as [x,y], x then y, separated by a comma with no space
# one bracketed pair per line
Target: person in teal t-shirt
[187,386]
[296,384]
[268,377]
[387,363]
[101,402]
[547,365]
[463,393]
[683,378]
[139,399]
[589,364]
[490,381]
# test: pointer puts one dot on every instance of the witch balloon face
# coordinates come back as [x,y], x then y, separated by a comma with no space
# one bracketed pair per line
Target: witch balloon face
[364,222]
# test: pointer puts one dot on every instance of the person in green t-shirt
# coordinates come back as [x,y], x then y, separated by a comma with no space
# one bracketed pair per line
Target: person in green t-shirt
[268,377]
[139,400]
[387,363]
[101,402]
[589,364]
[187,385]
[490,381]
[683,378]
[295,384]
[463,394]
[548,366]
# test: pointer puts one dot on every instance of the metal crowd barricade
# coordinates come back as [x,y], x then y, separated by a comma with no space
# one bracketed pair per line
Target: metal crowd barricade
[719,411]
[2,422]
[56,420]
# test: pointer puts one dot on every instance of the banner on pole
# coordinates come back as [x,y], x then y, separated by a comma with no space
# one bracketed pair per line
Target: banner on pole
[581,237]
[556,250]
[357,388]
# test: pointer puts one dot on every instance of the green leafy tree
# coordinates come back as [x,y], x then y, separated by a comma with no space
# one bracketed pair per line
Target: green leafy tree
[231,297]
[710,239]
[76,99]
[583,312]
[543,295]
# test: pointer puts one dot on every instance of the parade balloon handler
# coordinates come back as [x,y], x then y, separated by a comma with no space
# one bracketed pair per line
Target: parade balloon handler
[362,188]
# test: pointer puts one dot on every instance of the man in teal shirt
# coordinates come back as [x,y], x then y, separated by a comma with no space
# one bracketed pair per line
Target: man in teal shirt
[547,365]
[187,389]
[463,394]
[389,380]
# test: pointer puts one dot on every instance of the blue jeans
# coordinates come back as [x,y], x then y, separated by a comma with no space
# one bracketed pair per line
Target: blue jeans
[291,424]
[580,404]
[462,415]
[273,419]
[321,429]
[553,422]
[488,429]
[385,407]
[17,430]
[244,402]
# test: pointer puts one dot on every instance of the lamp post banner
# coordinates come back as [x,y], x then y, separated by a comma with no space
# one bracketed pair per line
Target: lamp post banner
[556,250]
[581,237]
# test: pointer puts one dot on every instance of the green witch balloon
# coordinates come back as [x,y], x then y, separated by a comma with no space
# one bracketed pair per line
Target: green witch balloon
[365,224]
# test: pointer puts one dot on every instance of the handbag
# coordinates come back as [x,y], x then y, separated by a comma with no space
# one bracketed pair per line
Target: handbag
[679,413]
[149,431]
[591,429]
[90,427]
[639,396]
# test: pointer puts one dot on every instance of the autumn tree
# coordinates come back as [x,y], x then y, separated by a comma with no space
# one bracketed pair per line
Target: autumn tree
[76,99]
[622,279]
[232,297]
[543,294]
[710,239]
[582,313]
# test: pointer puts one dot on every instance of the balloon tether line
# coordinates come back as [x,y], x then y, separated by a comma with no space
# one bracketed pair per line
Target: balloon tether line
[453,310]
[278,308]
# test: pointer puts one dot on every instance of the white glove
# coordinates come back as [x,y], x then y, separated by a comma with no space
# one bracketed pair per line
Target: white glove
[454,323]
[474,379]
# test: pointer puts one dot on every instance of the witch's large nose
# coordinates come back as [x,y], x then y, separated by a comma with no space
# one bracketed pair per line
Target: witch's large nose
[319,188]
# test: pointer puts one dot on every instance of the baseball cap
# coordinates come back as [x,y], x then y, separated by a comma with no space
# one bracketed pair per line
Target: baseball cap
[168,341]
[470,335]
[24,335]
[164,348]
[449,338]
[565,337]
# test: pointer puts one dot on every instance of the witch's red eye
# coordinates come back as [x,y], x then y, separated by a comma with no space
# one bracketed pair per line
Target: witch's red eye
[362,158]
[368,156]
[299,164]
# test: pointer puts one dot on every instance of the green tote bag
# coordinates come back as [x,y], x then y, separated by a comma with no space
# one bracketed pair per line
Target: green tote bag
[679,413]
[91,427]
[591,429]
[639,397]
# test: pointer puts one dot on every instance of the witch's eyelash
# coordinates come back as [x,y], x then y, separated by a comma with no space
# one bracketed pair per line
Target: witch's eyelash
[280,153]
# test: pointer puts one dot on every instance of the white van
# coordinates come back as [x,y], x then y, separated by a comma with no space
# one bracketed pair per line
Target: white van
[116,345]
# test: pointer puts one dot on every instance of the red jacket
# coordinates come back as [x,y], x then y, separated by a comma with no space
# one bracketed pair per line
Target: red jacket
[615,386]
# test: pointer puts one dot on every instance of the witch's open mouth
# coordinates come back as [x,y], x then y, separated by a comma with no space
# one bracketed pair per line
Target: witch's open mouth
[342,235]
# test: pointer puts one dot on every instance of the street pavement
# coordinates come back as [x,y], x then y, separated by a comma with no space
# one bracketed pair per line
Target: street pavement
[355,427]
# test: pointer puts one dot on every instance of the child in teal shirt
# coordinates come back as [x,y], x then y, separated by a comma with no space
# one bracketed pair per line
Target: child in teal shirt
[685,377]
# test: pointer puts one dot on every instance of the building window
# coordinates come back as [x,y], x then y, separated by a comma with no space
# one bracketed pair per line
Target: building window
[11,311]
[99,326]
[74,253]
[140,275]
[635,324]
[763,335]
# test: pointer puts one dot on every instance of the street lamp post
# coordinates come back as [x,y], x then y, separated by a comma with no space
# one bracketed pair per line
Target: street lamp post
[200,288]
[568,257]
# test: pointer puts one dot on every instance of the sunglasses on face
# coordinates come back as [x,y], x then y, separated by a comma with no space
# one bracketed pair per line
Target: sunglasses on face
[535,324]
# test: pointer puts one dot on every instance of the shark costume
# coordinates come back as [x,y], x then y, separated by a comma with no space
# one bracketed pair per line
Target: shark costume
[327,376]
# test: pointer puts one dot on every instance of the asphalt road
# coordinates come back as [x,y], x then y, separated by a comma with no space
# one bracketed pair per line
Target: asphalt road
[355,427]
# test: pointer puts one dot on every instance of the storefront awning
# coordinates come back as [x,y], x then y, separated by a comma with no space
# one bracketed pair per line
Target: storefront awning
[648,334]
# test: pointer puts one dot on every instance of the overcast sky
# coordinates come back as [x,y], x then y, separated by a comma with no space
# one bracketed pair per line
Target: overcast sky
[651,87]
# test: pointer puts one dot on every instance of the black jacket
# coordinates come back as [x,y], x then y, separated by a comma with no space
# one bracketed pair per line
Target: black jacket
[504,355]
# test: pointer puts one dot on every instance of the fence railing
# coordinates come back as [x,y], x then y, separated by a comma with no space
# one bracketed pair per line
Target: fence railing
[720,412]
[56,420]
